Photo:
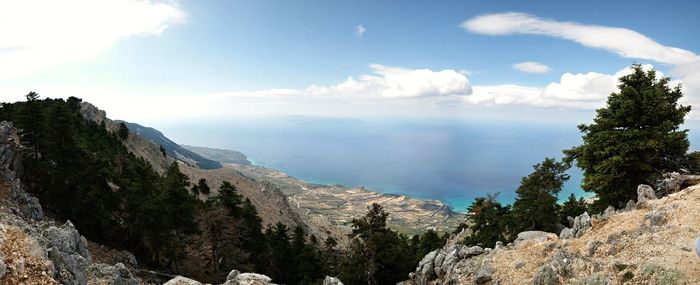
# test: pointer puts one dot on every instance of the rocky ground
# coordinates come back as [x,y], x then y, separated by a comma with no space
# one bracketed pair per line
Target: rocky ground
[649,242]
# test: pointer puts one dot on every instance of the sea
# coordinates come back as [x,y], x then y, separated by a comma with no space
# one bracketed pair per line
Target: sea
[450,160]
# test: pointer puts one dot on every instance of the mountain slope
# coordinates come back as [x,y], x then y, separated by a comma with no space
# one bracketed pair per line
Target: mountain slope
[650,243]
[271,204]
[171,148]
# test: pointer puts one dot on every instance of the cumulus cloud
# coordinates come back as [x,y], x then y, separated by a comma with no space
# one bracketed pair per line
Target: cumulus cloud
[360,30]
[577,91]
[531,67]
[685,64]
[35,35]
[624,42]
[397,82]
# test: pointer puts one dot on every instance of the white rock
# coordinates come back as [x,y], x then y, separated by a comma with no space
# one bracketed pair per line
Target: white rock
[179,280]
[697,246]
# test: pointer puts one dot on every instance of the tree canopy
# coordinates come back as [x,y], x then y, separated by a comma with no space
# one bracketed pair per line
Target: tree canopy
[633,139]
[535,207]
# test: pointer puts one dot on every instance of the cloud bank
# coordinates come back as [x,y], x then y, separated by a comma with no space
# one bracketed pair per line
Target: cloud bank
[624,42]
[73,30]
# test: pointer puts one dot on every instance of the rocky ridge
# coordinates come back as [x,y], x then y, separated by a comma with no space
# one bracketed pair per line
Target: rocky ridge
[271,203]
[648,242]
[33,249]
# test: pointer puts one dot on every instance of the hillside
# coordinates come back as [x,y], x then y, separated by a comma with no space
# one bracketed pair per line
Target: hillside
[648,243]
[271,204]
[171,148]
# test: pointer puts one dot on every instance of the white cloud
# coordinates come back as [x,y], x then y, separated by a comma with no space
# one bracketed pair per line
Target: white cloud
[531,67]
[578,91]
[685,64]
[360,30]
[35,34]
[396,82]
[624,42]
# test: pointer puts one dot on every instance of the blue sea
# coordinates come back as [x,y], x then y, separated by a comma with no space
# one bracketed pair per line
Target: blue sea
[450,160]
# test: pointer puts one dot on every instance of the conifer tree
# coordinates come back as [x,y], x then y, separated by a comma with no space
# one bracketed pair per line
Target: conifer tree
[635,138]
[489,222]
[572,207]
[535,207]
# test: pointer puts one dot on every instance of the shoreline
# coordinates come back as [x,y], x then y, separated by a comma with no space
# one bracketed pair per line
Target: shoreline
[332,208]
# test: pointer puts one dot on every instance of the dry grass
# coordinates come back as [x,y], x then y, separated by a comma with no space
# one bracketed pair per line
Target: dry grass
[631,251]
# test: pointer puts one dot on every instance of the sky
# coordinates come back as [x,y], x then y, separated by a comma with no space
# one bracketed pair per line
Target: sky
[167,61]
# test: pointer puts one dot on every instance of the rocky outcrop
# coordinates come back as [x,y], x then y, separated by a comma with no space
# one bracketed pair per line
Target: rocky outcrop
[536,236]
[674,182]
[34,250]
[136,144]
[645,193]
[579,226]
[180,280]
[67,249]
[453,264]
[19,201]
[99,273]
[234,277]
[331,281]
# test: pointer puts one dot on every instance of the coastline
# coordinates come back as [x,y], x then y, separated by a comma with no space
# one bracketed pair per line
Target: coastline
[332,207]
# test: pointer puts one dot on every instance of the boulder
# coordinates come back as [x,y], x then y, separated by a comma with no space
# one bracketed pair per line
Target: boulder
[451,258]
[674,182]
[331,281]
[235,277]
[118,274]
[567,233]
[68,252]
[179,280]
[468,252]
[580,225]
[609,211]
[538,236]
[252,279]
[645,193]
[485,274]
[697,246]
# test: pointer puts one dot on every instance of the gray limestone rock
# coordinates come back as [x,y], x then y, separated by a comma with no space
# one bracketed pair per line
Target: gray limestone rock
[538,236]
[118,274]
[645,193]
[69,254]
[331,281]
[179,280]
[468,252]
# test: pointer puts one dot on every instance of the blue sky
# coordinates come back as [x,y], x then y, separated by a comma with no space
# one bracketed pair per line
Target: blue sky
[218,59]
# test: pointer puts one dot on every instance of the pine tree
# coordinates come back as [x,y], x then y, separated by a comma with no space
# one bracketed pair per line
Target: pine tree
[632,140]
[489,222]
[571,208]
[203,186]
[535,207]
